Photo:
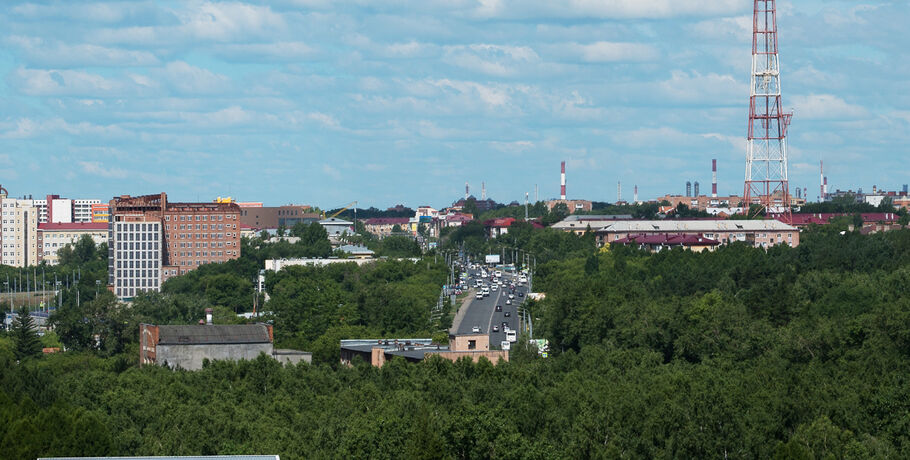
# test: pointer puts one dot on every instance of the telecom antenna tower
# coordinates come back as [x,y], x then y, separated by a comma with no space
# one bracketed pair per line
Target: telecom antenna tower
[766,159]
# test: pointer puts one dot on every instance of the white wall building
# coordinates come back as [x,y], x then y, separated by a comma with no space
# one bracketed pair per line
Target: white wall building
[135,245]
[53,237]
[19,231]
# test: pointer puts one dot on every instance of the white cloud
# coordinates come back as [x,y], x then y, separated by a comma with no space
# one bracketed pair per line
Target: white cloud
[825,106]
[58,54]
[331,171]
[227,22]
[708,89]
[276,51]
[230,21]
[737,29]
[36,82]
[603,51]
[324,119]
[488,95]
[189,79]
[514,147]
[490,59]
[95,168]
[606,9]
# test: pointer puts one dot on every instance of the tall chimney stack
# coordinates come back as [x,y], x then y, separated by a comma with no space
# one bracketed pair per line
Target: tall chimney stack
[467,191]
[821,181]
[208,316]
[635,194]
[483,191]
[562,182]
[714,178]
[618,192]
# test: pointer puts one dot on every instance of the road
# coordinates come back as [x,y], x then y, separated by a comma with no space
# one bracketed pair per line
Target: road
[483,314]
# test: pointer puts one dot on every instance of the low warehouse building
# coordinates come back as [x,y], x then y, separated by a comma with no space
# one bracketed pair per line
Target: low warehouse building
[378,351]
[186,347]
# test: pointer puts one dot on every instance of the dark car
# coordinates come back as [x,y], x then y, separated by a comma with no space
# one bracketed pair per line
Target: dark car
[521,294]
[495,328]
[505,324]
[507,314]
[499,308]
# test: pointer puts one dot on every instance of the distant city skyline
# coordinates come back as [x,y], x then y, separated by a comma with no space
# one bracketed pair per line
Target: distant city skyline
[326,102]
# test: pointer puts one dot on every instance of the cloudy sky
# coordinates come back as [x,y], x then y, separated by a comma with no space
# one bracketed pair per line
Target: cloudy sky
[403,101]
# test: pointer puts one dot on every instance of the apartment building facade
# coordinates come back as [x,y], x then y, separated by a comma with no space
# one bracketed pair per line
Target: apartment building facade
[54,236]
[19,231]
[152,240]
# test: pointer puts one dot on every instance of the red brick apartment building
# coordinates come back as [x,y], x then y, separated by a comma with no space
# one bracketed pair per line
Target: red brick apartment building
[152,240]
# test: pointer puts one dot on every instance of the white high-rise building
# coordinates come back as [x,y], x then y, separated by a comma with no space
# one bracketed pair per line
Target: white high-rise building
[82,210]
[19,231]
[64,210]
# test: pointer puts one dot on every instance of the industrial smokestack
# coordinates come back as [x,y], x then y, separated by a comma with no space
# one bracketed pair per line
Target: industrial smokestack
[696,189]
[821,181]
[562,182]
[618,191]
[483,191]
[467,191]
[635,194]
[208,316]
[714,178]
[688,188]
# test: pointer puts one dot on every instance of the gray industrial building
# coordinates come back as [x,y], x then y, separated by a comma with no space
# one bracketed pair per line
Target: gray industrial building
[186,347]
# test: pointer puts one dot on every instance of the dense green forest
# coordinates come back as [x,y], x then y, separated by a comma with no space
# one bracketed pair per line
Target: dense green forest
[737,353]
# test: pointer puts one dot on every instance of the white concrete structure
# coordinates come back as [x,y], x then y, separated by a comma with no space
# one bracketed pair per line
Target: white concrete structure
[82,210]
[759,233]
[53,237]
[19,232]
[135,245]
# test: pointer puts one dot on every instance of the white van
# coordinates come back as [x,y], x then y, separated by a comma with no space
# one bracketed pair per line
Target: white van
[511,336]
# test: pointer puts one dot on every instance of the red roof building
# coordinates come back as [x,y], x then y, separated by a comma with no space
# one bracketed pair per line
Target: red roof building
[382,226]
[659,242]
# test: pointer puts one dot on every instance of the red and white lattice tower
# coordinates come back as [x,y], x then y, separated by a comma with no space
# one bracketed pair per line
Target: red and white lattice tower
[766,159]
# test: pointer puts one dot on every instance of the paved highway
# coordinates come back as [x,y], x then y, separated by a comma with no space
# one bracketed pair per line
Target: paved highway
[483,314]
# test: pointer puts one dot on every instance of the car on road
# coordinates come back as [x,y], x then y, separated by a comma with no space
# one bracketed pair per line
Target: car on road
[508,301]
[499,308]
[475,329]
[511,296]
[495,328]
[521,294]
[507,314]
[495,287]
[479,295]
[505,325]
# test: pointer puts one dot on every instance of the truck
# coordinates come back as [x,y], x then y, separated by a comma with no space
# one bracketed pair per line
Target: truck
[511,336]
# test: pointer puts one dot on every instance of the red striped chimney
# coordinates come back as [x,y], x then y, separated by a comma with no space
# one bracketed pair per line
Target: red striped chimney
[714,178]
[562,182]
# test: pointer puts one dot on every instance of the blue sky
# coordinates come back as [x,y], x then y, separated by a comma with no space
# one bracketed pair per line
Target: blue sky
[402,101]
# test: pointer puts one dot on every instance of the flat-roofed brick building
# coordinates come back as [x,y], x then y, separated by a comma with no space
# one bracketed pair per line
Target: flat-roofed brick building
[152,240]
